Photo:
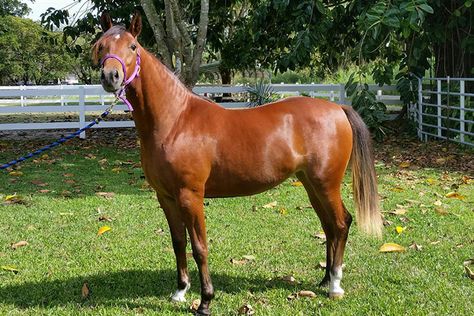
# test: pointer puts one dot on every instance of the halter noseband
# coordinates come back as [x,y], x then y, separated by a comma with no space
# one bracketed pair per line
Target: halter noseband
[121,93]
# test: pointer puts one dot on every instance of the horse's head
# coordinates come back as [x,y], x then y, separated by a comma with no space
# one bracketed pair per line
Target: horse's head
[117,51]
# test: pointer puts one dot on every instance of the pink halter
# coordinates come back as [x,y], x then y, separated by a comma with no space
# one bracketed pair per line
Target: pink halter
[121,93]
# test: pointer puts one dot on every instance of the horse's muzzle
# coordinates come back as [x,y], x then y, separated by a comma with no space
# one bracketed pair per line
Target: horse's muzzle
[111,79]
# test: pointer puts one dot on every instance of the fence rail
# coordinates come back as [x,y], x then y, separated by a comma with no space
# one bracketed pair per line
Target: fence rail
[445,110]
[85,100]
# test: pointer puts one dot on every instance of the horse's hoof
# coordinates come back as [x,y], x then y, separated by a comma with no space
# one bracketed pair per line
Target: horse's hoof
[336,295]
[202,312]
[178,299]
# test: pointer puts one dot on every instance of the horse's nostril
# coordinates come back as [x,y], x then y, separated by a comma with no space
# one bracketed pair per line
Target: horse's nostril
[102,75]
[116,74]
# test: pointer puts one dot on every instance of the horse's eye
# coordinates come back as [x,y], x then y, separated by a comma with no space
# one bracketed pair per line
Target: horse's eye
[133,47]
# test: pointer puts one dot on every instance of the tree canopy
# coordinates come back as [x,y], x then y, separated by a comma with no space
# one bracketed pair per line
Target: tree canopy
[13,7]
[27,53]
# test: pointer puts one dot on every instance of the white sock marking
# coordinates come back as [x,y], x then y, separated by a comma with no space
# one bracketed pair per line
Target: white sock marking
[335,281]
[179,295]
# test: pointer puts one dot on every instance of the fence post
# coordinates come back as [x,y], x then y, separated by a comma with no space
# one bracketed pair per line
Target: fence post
[22,98]
[62,96]
[438,103]
[461,110]
[82,110]
[420,108]
[342,94]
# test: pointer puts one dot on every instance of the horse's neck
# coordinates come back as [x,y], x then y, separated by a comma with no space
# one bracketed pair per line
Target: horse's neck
[158,98]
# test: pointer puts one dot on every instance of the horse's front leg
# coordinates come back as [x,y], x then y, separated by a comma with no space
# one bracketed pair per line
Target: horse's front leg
[178,236]
[190,202]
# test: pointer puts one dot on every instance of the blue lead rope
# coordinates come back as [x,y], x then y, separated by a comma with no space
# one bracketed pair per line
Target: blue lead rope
[62,140]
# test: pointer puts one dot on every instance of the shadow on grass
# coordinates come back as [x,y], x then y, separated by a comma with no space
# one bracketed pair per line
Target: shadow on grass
[123,287]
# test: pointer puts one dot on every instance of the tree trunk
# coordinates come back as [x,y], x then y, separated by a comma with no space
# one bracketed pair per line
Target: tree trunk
[158,31]
[226,75]
[176,39]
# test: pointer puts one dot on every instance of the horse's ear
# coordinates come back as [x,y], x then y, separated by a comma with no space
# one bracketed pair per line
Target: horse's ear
[136,24]
[105,21]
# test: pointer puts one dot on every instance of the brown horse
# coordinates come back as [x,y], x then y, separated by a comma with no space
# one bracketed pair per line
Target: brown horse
[192,148]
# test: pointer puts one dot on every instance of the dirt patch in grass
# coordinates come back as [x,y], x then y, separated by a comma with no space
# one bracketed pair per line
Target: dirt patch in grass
[406,151]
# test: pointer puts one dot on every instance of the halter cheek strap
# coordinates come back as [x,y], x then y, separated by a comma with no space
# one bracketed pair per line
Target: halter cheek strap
[121,93]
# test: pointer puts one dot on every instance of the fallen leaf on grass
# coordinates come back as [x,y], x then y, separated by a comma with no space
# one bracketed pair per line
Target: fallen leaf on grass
[10,269]
[288,279]
[415,246]
[441,211]
[14,199]
[238,262]
[469,272]
[467,179]
[297,184]
[44,191]
[195,305]
[283,211]
[39,183]
[19,244]
[398,211]
[455,195]
[16,173]
[302,293]
[246,309]
[68,175]
[103,229]
[106,195]
[397,189]
[399,229]
[249,257]
[105,218]
[270,205]
[404,164]
[66,193]
[85,291]
[116,170]
[391,247]
[438,203]
[322,265]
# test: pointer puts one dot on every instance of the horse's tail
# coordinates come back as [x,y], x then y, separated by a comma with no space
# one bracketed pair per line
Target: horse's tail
[364,179]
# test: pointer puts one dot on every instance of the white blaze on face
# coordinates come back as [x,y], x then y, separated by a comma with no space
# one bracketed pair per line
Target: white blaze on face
[117,36]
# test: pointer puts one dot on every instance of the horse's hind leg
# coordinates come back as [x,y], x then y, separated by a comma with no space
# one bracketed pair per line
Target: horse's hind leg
[178,236]
[327,202]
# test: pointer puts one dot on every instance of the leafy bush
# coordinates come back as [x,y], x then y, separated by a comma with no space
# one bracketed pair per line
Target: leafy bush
[366,104]
[260,94]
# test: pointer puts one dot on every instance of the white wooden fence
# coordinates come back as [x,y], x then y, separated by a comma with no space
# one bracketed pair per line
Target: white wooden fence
[90,99]
[445,110]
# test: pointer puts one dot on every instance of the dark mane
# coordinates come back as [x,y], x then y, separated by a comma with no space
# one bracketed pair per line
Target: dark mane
[114,30]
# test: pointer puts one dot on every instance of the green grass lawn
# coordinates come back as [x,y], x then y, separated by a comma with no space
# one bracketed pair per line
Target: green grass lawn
[130,270]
